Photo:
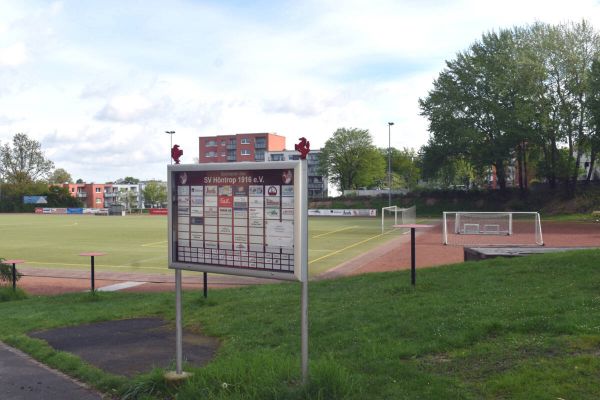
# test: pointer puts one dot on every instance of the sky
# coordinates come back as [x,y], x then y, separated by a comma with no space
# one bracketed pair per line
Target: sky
[98,83]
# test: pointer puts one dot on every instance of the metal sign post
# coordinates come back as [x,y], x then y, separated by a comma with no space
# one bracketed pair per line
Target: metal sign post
[247,219]
[303,222]
[178,323]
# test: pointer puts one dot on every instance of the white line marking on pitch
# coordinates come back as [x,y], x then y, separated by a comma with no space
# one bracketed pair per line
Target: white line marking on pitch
[155,244]
[352,245]
[120,286]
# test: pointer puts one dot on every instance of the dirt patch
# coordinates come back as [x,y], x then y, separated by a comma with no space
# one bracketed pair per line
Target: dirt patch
[129,347]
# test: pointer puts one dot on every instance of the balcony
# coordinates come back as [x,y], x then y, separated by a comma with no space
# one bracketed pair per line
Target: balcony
[81,194]
[110,194]
[259,146]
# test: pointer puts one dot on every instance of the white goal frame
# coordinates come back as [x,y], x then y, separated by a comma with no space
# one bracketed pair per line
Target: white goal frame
[407,215]
[489,229]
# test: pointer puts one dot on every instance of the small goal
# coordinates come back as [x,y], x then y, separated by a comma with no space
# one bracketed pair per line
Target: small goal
[395,215]
[492,228]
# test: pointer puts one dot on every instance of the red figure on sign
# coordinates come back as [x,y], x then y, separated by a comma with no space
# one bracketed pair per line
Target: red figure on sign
[303,147]
[176,152]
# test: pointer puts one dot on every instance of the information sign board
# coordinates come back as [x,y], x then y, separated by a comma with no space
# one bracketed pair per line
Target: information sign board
[239,218]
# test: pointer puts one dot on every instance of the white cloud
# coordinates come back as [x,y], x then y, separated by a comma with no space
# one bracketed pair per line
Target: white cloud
[99,84]
[129,108]
[13,55]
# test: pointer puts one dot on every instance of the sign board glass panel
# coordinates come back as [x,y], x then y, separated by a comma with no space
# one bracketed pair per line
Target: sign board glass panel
[239,219]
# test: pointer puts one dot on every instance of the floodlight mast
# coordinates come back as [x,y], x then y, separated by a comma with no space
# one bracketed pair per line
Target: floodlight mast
[170,133]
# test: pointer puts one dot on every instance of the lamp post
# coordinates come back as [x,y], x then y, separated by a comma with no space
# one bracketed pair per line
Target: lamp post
[390,163]
[170,133]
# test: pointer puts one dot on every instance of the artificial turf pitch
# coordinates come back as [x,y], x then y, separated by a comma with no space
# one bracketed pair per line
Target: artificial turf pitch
[139,243]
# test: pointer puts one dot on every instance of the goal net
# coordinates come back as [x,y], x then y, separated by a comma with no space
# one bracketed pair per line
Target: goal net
[395,215]
[492,228]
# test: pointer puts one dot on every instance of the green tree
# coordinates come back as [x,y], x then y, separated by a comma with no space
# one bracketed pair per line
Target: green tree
[593,105]
[129,180]
[350,159]
[512,96]
[405,165]
[127,198]
[449,171]
[568,50]
[24,161]
[479,107]
[11,196]
[59,176]
[155,194]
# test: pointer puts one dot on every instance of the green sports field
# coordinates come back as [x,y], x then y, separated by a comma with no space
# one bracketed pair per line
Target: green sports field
[139,243]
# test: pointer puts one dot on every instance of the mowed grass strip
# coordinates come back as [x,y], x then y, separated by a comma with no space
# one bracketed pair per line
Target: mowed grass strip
[522,328]
[139,243]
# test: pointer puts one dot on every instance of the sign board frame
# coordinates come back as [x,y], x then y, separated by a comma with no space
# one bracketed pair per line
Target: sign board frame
[230,174]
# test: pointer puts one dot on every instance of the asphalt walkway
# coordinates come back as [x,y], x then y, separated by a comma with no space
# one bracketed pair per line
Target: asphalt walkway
[22,378]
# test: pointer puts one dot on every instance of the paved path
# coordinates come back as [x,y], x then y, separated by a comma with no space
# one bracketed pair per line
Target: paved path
[22,378]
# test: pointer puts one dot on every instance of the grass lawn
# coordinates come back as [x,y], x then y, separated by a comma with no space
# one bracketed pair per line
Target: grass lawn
[523,328]
[139,243]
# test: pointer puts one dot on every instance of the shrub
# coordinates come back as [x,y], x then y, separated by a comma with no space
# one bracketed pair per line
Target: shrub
[6,272]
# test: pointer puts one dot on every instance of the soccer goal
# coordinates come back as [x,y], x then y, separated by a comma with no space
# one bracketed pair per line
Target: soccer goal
[395,215]
[492,228]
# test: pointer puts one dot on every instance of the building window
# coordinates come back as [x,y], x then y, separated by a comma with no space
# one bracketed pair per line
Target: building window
[211,143]
[73,190]
[98,190]
[222,143]
[98,201]
[260,143]
[259,155]
[245,141]
[294,157]
[210,154]
[245,152]
[276,157]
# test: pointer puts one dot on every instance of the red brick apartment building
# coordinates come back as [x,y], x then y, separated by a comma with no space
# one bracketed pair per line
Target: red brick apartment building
[91,194]
[239,147]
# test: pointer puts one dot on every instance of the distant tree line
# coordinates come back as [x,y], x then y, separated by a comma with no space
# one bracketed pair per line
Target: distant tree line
[526,97]
[11,196]
[25,171]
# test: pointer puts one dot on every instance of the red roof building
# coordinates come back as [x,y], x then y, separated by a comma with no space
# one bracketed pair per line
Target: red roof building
[91,194]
